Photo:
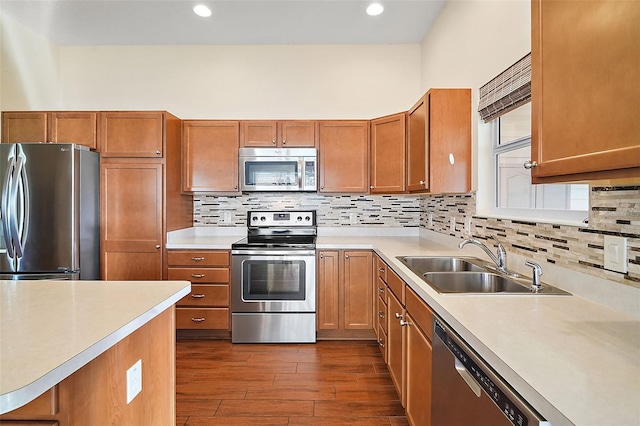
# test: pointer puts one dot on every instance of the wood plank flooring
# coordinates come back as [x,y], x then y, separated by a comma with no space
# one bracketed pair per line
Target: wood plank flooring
[327,383]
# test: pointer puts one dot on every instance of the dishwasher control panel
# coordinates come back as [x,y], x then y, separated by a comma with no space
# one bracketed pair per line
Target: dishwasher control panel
[465,356]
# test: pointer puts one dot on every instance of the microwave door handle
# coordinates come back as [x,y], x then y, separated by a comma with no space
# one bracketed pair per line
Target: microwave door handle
[6,208]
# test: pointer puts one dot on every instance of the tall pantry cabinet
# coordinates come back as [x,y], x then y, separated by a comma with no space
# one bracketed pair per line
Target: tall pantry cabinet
[141,197]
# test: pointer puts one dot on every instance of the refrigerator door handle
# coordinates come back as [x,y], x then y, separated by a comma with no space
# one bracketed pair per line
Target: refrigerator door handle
[15,226]
[22,188]
[6,210]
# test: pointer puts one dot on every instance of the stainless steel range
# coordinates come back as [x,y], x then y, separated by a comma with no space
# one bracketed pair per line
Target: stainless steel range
[274,279]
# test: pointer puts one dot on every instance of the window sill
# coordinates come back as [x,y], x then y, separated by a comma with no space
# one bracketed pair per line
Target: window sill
[551,217]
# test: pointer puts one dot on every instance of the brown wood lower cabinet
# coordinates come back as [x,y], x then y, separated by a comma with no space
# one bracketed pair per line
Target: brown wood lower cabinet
[396,339]
[96,394]
[206,308]
[345,294]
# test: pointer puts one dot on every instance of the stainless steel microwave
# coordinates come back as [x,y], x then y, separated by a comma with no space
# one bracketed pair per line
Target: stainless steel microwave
[276,169]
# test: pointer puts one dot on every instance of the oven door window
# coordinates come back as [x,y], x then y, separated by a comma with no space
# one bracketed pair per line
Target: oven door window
[283,173]
[273,280]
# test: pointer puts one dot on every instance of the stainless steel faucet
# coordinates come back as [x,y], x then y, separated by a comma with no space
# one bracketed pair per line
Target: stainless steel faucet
[500,258]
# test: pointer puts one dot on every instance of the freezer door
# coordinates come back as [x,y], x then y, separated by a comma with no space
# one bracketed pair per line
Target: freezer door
[46,208]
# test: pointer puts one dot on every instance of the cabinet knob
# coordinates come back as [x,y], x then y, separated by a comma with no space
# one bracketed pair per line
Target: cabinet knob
[273,142]
[158,246]
[321,256]
[284,142]
[381,343]
[422,182]
[346,256]
[380,314]
[158,153]
[197,319]
[380,290]
[403,323]
[398,315]
[371,187]
[380,269]
[530,164]
[235,187]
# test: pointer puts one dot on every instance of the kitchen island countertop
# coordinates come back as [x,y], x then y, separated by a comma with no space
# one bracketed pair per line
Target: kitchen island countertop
[576,361]
[51,329]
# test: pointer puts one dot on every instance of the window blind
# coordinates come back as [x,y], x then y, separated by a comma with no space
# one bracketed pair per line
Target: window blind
[507,91]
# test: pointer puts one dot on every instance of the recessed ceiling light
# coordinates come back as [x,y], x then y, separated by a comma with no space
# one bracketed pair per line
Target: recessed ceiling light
[202,10]
[374,9]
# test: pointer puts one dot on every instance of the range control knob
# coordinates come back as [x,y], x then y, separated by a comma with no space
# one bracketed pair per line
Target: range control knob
[307,218]
[263,218]
[299,218]
[254,218]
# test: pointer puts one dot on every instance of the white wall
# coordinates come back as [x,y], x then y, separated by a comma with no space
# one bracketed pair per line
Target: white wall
[295,81]
[28,69]
[470,43]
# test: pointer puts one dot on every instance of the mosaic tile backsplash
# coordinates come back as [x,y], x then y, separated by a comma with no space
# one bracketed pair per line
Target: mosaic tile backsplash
[613,211]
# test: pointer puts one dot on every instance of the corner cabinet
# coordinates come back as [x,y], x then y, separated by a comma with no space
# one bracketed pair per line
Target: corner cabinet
[345,294]
[439,142]
[141,198]
[585,92]
[388,152]
[78,127]
[344,157]
[210,155]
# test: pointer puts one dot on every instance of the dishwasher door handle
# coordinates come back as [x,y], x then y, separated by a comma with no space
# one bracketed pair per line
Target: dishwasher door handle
[468,378]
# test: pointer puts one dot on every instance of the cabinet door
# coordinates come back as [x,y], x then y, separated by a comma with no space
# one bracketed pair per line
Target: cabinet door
[210,156]
[24,127]
[298,134]
[418,375]
[76,127]
[395,342]
[328,290]
[417,148]
[259,134]
[388,135]
[344,156]
[131,134]
[131,221]
[358,290]
[585,92]
[449,140]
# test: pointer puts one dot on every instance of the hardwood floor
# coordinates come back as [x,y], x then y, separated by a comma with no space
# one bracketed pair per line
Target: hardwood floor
[327,383]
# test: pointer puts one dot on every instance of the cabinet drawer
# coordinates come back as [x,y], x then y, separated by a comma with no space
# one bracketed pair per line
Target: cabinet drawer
[29,423]
[207,295]
[381,288]
[200,275]
[198,258]
[396,285]
[202,318]
[421,313]
[381,314]
[44,405]
[382,342]
[381,269]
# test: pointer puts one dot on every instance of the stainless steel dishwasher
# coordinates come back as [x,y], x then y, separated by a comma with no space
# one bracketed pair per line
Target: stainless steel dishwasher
[466,391]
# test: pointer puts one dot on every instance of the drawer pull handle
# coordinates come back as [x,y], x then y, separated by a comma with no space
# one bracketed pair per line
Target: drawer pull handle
[403,323]
[197,319]
[381,343]
[197,275]
[198,296]
[380,314]
[380,290]
[398,315]
[380,269]
[197,259]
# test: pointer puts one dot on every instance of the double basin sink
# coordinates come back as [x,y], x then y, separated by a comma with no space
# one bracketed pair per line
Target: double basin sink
[458,275]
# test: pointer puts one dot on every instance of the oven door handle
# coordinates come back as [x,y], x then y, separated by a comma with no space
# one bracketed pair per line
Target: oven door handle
[258,252]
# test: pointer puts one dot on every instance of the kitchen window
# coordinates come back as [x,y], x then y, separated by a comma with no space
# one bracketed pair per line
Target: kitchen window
[514,195]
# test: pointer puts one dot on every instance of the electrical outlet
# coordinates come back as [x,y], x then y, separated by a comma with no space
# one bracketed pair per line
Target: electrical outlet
[452,221]
[353,218]
[615,253]
[134,380]
[226,217]
[467,225]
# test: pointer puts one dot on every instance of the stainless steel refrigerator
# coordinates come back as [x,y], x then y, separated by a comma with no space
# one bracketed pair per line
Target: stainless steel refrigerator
[49,212]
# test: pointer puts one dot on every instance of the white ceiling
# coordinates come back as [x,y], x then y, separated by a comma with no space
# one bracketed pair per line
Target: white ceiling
[160,22]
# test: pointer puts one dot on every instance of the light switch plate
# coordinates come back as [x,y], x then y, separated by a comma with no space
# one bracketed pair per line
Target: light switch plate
[134,380]
[615,253]
[353,218]
[430,220]
[467,225]
[452,222]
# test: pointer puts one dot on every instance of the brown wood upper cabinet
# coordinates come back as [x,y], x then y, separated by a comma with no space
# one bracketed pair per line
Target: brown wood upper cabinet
[344,156]
[282,134]
[585,92]
[388,143]
[78,127]
[439,142]
[210,156]
[132,134]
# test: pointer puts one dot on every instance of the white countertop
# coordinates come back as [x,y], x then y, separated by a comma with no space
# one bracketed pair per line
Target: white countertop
[576,361]
[51,329]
